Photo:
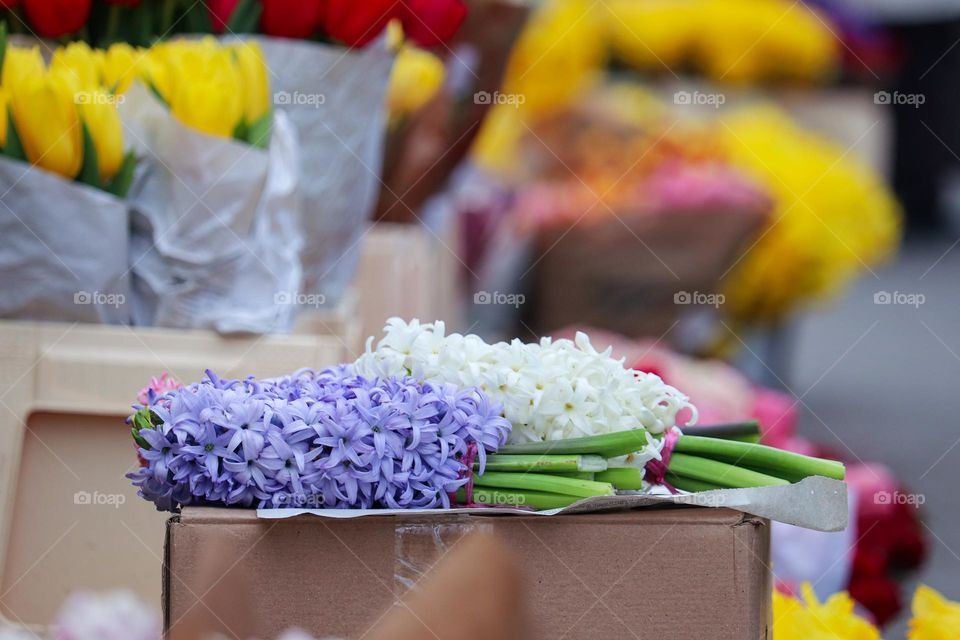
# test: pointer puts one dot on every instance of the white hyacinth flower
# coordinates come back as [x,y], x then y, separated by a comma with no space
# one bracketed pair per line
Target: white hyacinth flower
[550,390]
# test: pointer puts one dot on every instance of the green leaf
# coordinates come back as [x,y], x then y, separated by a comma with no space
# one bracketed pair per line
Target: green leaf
[258,133]
[241,130]
[245,17]
[197,18]
[121,182]
[143,24]
[14,147]
[90,169]
[143,444]
[3,44]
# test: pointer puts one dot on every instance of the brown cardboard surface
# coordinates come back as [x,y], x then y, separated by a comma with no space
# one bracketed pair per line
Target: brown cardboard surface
[673,573]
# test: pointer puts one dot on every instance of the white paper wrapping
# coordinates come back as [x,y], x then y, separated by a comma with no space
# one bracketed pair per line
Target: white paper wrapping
[335,98]
[216,224]
[814,503]
[64,251]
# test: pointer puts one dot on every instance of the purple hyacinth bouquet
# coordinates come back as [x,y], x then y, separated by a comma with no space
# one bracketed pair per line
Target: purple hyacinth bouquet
[326,439]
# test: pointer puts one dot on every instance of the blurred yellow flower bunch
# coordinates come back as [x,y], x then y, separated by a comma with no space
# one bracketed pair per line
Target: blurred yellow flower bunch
[934,617]
[833,216]
[809,619]
[63,118]
[739,41]
[416,78]
[557,58]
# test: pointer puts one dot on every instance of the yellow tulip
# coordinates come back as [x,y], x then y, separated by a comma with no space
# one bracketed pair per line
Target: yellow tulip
[934,617]
[253,75]
[206,90]
[46,118]
[20,63]
[99,113]
[122,64]
[79,63]
[415,79]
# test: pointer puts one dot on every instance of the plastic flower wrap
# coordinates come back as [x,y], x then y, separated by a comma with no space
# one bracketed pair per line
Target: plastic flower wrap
[63,118]
[550,390]
[328,439]
[809,619]
[833,216]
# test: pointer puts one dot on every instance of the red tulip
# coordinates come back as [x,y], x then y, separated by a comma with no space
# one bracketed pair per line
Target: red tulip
[355,23]
[9,4]
[431,22]
[55,18]
[291,18]
[220,12]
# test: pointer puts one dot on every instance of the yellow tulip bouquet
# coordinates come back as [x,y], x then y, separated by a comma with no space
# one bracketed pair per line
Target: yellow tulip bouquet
[63,118]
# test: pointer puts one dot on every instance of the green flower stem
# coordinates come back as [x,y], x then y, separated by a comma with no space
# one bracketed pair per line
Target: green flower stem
[510,498]
[544,483]
[731,431]
[607,445]
[689,484]
[579,475]
[544,463]
[720,473]
[623,478]
[758,455]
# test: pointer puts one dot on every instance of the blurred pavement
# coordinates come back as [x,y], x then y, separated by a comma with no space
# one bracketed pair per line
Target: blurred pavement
[885,379]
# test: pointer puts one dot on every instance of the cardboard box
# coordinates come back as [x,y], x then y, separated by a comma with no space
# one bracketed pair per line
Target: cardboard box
[69,519]
[673,573]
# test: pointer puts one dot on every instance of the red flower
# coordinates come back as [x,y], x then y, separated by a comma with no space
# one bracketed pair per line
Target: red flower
[431,22]
[291,18]
[356,23]
[220,12]
[9,4]
[55,18]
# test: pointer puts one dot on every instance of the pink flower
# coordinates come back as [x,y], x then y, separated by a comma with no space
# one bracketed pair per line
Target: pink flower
[158,386]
